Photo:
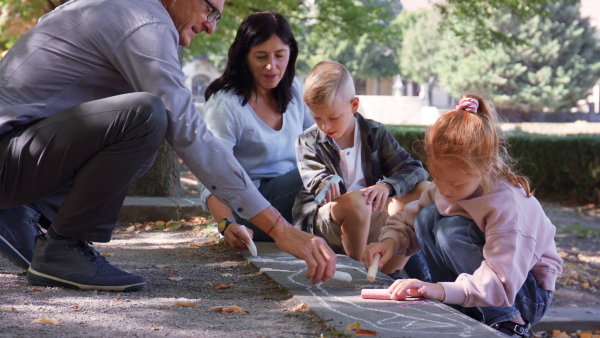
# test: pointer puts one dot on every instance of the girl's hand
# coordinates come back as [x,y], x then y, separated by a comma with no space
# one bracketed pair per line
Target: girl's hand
[377,195]
[417,288]
[384,248]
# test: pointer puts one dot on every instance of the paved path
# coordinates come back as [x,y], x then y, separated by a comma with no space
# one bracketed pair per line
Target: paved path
[340,303]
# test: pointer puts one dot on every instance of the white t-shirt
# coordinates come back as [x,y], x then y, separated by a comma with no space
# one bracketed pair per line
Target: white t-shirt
[351,164]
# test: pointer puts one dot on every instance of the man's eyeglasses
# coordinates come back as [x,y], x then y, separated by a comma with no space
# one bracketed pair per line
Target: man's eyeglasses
[215,14]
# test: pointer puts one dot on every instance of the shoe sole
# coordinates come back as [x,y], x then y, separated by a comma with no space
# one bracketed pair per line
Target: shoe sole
[12,254]
[41,279]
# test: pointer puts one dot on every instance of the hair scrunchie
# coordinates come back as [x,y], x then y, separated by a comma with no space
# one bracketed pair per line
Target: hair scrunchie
[469,104]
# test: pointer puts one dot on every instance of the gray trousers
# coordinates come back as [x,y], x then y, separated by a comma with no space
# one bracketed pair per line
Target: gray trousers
[76,166]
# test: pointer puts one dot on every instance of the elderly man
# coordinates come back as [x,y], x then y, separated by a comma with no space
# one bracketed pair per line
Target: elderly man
[86,98]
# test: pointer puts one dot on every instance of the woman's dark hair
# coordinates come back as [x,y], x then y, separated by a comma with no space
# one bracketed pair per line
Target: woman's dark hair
[254,30]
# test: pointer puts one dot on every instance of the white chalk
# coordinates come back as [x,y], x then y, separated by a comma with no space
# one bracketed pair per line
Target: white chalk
[250,245]
[372,272]
[342,276]
[321,195]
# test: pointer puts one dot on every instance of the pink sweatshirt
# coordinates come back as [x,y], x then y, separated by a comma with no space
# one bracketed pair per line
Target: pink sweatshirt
[518,238]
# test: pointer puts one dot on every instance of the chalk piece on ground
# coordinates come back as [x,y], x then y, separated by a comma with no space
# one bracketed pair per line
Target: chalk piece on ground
[378,294]
[342,276]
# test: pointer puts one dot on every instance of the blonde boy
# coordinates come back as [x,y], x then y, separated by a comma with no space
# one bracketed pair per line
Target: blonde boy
[378,176]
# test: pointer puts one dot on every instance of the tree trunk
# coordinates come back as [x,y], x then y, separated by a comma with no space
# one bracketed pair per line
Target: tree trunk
[162,180]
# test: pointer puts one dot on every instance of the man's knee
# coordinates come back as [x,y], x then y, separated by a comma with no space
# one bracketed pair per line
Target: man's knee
[153,109]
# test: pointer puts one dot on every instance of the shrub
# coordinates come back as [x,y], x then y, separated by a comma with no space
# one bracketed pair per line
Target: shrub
[559,166]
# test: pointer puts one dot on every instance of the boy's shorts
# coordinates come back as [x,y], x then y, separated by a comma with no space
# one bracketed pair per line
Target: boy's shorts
[325,227]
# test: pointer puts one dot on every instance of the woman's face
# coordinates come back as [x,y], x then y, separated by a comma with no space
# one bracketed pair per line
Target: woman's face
[268,61]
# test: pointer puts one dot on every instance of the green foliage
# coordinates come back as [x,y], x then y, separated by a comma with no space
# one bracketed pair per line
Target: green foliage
[556,67]
[565,166]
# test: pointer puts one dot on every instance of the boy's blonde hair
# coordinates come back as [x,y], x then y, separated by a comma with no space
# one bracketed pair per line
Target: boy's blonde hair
[325,81]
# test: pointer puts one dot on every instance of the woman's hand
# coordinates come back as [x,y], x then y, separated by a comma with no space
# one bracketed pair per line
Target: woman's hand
[236,238]
[377,195]
[417,288]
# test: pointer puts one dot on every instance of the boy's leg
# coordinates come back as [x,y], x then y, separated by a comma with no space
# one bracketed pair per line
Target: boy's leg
[281,193]
[353,215]
[97,147]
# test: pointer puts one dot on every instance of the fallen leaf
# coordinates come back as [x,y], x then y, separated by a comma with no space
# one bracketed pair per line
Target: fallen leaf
[74,307]
[37,290]
[162,266]
[163,243]
[175,278]
[175,272]
[226,275]
[193,245]
[352,327]
[228,309]
[107,255]
[44,320]
[299,307]
[185,304]
[138,232]
[117,299]
[369,333]
[159,223]
[221,286]
[586,334]
[158,328]
[14,309]
[130,229]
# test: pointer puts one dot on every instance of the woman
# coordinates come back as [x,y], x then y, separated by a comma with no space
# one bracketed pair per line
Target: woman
[256,109]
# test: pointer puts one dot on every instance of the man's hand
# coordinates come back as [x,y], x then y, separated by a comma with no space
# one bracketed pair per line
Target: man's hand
[318,256]
[236,239]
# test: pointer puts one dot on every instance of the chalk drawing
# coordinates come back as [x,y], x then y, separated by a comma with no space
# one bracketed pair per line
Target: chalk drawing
[424,316]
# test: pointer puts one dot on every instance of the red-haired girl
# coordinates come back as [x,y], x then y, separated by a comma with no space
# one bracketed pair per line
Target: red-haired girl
[487,241]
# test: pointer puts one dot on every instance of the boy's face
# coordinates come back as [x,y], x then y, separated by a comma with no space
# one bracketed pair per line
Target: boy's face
[336,121]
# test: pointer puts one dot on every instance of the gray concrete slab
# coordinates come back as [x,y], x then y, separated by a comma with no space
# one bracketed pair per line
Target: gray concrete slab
[570,319]
[151,209]
[340,303]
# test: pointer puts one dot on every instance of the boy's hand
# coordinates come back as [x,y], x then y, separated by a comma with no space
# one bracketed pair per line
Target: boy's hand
[384,248]
[417,288]
[377,195]
[332,193]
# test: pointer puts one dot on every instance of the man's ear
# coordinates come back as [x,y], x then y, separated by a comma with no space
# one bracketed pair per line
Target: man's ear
[355,103]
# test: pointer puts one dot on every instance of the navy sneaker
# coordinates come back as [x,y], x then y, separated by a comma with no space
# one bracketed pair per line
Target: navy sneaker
[74,264]
[18,229]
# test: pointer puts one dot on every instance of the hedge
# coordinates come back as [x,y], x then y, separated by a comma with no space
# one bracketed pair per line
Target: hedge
[565,167]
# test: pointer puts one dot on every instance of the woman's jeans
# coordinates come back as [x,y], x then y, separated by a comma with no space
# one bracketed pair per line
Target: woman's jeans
[453,245]
[281,193]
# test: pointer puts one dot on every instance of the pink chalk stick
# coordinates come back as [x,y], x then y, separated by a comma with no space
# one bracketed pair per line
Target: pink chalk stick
[378,294]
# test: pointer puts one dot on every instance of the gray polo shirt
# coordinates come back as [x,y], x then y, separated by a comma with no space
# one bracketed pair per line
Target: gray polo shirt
[91,49]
